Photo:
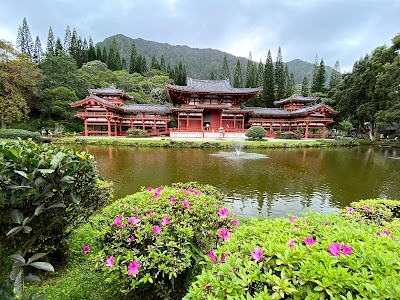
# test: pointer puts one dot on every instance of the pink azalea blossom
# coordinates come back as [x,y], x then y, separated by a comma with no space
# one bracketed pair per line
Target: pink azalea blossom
[291,242]
[133,220]
[118,221]
[207,286]
[377,233]
[346,249]
[334,249]
[158,190]
[257,254]
[185,203]
[212,256]
[235,222]
[297,227]
[385,232]
[367,208]
[121,206]
[172,200]
[156,195]
[224,212]
[86,249]
[350,210]
[326,223]
[133,268]
[292,219]
[165,221]
[148,213]
[224,233]
[110,262]
[123,225]
[149,189]
[196,193]
[134,209]
[223,257]
[309,241]
[132,238]
[156,229]
[183,191]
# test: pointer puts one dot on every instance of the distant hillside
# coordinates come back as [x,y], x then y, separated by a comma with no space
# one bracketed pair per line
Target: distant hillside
[199,62]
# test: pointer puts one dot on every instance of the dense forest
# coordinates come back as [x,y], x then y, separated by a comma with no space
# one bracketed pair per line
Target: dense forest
[38,85]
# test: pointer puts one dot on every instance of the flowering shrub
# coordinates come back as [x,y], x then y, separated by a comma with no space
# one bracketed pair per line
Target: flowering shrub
[310,257]
[378,211]
[154,238]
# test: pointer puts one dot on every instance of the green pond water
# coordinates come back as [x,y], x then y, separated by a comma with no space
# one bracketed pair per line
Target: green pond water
[265,182]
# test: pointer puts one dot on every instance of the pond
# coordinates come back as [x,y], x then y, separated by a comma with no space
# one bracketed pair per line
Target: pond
[260,182]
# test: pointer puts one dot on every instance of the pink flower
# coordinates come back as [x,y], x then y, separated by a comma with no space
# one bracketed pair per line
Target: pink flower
[350,210]
[292,219]
[257,254]
[133,220]
[367,208]
[224,233]
[132,238]
[165,221]
[118,221]
[156,195]
[196,193]
[346,249]
[334,249]
[235,222]
[385,232]
[110,262]
[297,227]
[86,249]
[133,268]
[134,209]
[212,256]
[223,257]
[148,213]
[185,203]
[309,241]
[224,212]
[121,206]
[207,286]
[378,234]
[156,229]
[326,223]
[149,189]
[183,191]
[172,200]
[291,242]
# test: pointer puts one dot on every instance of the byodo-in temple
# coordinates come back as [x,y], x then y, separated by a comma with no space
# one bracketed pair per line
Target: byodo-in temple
[202,108]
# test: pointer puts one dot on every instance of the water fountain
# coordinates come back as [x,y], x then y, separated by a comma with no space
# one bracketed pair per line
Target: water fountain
[238,148]
[239,153]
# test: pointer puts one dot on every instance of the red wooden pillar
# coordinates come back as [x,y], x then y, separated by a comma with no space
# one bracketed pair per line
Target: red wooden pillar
[323,131]
[143,127]
[234,123]
[306,133]
[115,128]
[108,127]
[187,121]
[86,127]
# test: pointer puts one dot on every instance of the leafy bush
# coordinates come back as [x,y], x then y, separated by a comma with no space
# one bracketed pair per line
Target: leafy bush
[256,132]
[19,133]
[378,211]
[313,257]
[153,240]
[137,132]
[45,192]
[288,135]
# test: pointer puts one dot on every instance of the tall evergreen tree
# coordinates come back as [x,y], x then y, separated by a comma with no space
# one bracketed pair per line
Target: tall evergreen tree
[118,61]
[212,76]
[250,73]
[99,56]
[287,81]
[124,65]
[37,51]
[58,49]
[133,59]
[336,77]
[112,62]
[143,67]
[138,67]
[24,40]
[92,51]
[238,80]
[279,76]
[225,69]
[291,85]
[154,63]
[314,84]
[79,56]
[51,43]
[104,56]
[162,63]
[260,74]
[67,39]
[85,51]
[304,87]
[73,46]
[268,92]
[320,82]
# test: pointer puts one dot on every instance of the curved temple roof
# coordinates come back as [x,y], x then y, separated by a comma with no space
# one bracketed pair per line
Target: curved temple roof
[296,98]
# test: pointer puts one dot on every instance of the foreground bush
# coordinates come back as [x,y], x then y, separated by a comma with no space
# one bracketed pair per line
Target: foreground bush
[19,133]
[137,132]
[153,240]
[256,132]
[45,192]
[313,257]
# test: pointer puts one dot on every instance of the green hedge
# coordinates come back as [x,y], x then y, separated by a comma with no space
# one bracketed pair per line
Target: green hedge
[19,133]
[313,257]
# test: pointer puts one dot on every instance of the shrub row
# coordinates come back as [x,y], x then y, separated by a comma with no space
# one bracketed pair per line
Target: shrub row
[19,133]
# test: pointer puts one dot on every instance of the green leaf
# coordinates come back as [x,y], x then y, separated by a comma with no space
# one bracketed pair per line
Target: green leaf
[36,257]
[14,231]
[57,205]
[38,210]
[17,216]
[42,266]
[22,173]
[32,277]
[67,178]
[55,162]
[27,229]
[46,171]
[17,257]
[18,283]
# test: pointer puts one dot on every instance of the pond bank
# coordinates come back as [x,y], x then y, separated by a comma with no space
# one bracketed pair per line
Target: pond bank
[204,143]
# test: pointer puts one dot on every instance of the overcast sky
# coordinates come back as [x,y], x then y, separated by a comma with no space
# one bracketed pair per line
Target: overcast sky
[342,30]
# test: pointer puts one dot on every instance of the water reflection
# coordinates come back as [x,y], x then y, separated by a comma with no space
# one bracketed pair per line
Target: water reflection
[289,181]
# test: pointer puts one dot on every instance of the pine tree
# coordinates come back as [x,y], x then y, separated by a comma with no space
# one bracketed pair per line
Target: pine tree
[99,56]
[133,59]
[112,56]
[118,61]
[304,87]
[51,43]
[162,63]
[92,51]
[138,66]
[79,56]
[320,84]
[180,77]
[85,51]
[291,85]
[212,76]
[104,56]
[238,80]
[143,67]
[67,39]
[38,51]
[58,49]
[268,92]
[225,70]
[287,82]
[124,64]
[24,40]
[73,46]
[184,82]
[336,77]
[250,73]
[154,63]
[19,39]
[279,76]
[260,74]
[314,85]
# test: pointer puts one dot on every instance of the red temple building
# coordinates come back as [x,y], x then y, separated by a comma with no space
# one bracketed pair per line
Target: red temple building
[203,108]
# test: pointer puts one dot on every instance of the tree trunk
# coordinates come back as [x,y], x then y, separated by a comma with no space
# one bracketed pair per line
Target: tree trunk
[372,131]
[3,123]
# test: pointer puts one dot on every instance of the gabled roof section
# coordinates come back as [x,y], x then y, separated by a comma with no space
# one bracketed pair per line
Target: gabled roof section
[312,108]
[297,98]
[211,87]
[110,91]
[93,97]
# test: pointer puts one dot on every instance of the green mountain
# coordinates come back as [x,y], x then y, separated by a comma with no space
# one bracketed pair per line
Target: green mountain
[199,62]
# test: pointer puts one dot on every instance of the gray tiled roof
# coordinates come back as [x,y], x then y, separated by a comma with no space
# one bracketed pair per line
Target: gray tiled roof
[296,98]
[109,91]
[101,100]
[270,111]
[211,86]
[153,108]
[310,108]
